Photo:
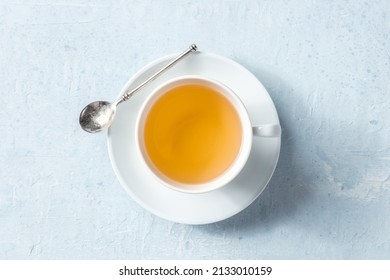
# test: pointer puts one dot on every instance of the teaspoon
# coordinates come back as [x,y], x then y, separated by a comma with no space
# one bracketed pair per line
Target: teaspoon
[99,115]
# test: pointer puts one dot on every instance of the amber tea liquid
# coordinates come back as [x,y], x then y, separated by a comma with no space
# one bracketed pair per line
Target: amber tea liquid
[192,134]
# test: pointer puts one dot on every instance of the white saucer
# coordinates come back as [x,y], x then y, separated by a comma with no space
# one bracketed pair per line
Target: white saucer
[206,207]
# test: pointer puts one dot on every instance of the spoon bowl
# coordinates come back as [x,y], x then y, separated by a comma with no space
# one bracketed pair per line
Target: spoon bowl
[97,116]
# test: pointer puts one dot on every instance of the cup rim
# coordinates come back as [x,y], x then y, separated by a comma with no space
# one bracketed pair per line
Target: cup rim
[241,158]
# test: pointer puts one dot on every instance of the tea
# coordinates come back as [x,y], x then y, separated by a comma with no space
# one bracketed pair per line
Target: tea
[192,134]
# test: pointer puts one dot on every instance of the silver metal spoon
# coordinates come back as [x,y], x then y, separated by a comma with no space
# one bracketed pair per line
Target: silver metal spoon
[99,115]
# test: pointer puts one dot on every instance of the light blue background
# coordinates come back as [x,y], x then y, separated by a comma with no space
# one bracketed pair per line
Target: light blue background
[326,64]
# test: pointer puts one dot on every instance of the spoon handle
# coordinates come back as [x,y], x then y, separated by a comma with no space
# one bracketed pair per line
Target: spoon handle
[129,94]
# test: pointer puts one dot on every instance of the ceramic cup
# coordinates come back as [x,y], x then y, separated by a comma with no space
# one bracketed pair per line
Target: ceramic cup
[248,130]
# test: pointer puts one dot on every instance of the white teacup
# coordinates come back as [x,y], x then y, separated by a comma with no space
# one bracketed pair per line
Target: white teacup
[154,126]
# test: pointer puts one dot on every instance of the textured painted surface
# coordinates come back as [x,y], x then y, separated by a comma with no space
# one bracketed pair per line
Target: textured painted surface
[326,65]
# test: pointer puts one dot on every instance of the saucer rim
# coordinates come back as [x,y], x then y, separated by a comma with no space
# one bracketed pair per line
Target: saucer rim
[128,189]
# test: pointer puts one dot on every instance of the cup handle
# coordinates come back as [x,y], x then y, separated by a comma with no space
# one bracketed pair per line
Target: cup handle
[267,130]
